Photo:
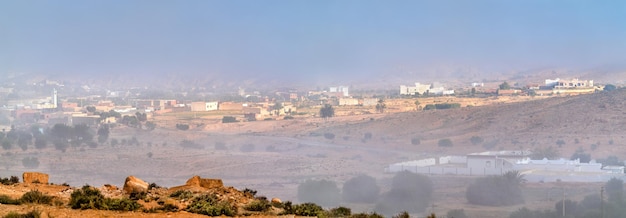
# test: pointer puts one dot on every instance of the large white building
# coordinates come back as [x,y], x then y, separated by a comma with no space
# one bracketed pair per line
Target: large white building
[434,89]
[501,162]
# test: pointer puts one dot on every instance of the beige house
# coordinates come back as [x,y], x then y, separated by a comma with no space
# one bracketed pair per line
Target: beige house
[348,101]
[204,106]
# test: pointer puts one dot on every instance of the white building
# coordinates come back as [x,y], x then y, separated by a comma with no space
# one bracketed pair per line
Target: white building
[342,89]
[433,89]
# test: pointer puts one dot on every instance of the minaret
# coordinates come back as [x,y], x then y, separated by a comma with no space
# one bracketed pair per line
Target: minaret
[54,98]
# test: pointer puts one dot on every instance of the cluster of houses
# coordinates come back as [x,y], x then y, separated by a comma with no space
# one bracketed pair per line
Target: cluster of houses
[500,162]
[550,87]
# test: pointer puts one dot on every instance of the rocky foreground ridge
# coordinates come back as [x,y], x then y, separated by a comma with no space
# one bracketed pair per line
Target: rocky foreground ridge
[137,198]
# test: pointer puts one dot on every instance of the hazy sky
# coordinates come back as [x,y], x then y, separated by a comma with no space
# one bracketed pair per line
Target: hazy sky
[292,38]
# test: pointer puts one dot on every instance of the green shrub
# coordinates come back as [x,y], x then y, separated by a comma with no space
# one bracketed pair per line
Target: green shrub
[330,136]
[163,208]
[361,189]
[10,181]
[445,143]
[5,199]
[247,148]
[30,162]
[307,209]
[259,204]
[138,195]
[416,141]
[249,192]
[403,214]
[91,198]
[31,214]
[475,140]
[87,198]
[442,106]
[210,205]
[182,195]
[182,126]
[457,213]
[322,192]
[229,119]
[501,190]
[367,215]
[122,204]
[409,192]
[36,197]
[340,212]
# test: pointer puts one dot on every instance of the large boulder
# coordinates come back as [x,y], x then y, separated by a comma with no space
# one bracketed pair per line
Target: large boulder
[35,177]
[204,183]
[134,184]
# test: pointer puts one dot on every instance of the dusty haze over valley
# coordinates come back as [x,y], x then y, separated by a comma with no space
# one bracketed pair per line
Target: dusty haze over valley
[312,108]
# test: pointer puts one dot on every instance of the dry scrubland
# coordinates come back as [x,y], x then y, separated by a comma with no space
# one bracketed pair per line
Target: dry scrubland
[273,157]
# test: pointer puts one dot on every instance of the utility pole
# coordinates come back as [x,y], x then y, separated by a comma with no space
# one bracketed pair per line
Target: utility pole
[602,202]
[563,202]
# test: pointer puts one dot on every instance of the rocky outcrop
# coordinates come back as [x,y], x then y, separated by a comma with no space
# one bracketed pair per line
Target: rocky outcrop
[35,177]
[134,184]
[276,201]
[204,183]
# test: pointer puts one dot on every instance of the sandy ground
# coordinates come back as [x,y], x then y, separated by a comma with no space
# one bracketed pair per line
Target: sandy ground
[274,157]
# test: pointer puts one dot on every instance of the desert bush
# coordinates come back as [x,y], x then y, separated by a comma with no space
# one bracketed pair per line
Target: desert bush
[527,213]
[288,117]
[138,195]
[491,144]
[361,189]
[91,198]
[163,208]
[182,194]
[149,154]
[501,190]
[10,181]
[581,155]
[548,152]
[442,106]
[153,186]
[229,119]
[416,141]
[190,144]
[210,205]
[122,204]
[610,160]
[32,214]
[259,204]
[220,146]
[340,212]
[367,136]
[321,192]
[402,215]
[409,192]
[476,140]
[329,136]
[36,197]
[445,143]
[5,199]
[367,215]
[456,213]
[182,126]
[30,162]
[247,148]
[249,192]
[308,209]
